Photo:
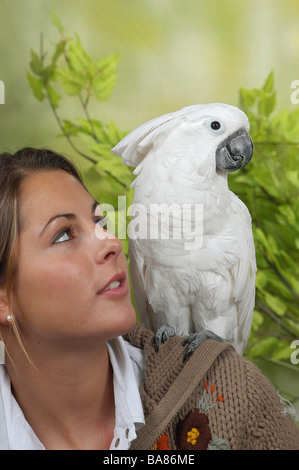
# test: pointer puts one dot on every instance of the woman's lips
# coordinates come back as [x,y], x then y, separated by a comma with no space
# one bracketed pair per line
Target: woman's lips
[115,287]
[120,291]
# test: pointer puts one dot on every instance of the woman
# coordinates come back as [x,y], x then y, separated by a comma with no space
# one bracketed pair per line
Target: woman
[64,294]
[69,380]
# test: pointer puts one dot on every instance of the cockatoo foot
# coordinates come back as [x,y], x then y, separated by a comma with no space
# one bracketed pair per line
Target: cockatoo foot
[163,334]
[195,339]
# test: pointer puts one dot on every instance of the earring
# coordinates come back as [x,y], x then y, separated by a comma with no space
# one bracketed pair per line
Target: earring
[9,318]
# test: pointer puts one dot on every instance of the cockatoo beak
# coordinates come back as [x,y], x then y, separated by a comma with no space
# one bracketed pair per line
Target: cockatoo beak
[234,152]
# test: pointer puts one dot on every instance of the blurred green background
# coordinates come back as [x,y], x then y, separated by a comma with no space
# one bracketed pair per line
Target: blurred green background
[174,53]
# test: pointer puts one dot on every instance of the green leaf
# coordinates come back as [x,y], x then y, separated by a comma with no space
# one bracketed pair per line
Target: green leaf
[275,304]
[71,81]
[48,73]
[70,128]
[293,177]
[269,83]
[35,63]
[263,346]
[103,87]
[107,65]
[60,47]
[92,127]
[262,278]
[267,104]
[104,79]
[78,59]
[257,320]
[36,85]
[56,21]
[293,326]
[282,350]
[248,98]
[114,134]
[267,101]
[87,138]
[262,238]
[116,168]
[102,150]
[289,214]
[53,96]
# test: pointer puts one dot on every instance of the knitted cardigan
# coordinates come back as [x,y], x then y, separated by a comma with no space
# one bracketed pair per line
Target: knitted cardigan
[214,400]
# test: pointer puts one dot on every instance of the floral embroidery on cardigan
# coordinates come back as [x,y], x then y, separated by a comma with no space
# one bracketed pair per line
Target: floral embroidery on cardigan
[193,432]
[203,403]
[162,443]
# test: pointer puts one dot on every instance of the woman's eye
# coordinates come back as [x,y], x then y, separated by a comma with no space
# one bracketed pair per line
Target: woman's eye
[66,234]
[102,222]
[63,236]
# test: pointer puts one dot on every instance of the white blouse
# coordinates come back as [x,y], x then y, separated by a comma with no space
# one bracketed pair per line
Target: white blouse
[128,369]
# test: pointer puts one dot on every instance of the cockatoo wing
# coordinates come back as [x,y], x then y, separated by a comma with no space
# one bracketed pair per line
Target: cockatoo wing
[244,273]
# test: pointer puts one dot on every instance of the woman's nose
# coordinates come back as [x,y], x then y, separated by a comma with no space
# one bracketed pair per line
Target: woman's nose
[107,248]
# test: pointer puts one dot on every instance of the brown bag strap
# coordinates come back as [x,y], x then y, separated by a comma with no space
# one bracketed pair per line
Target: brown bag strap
[190,376]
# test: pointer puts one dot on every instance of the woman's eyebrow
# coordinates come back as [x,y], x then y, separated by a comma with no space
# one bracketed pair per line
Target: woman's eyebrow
[69,216]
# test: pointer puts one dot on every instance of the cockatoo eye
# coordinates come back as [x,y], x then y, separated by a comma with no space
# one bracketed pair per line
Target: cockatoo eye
[215,126]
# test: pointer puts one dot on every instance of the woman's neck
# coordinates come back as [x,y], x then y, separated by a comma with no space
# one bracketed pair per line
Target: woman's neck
[68,398]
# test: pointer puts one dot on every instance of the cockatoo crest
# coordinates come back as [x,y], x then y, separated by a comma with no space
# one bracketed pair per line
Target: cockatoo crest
[135,146]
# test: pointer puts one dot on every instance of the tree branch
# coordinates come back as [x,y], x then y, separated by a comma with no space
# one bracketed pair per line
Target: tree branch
[84,106]
[67,135]
[108,173]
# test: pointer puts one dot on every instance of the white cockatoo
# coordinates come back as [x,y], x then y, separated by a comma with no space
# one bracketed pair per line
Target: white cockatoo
[192,255]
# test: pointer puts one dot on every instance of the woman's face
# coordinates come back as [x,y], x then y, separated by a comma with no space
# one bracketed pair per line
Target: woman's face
[63,269]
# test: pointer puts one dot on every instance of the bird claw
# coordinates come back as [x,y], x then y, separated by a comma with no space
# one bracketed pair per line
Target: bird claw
[163,334]
[195,339]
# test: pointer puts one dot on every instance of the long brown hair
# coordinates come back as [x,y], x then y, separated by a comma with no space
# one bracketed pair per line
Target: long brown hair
[14,169]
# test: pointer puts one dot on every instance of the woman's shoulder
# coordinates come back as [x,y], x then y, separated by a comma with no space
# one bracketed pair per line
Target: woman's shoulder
[237,401]
[213,359]
[171,354]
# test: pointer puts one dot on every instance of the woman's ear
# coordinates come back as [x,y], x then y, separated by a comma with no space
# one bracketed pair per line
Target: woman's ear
[5,315]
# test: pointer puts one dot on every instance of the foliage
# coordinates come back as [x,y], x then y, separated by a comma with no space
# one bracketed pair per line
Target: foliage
[268,185]
[72,69]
